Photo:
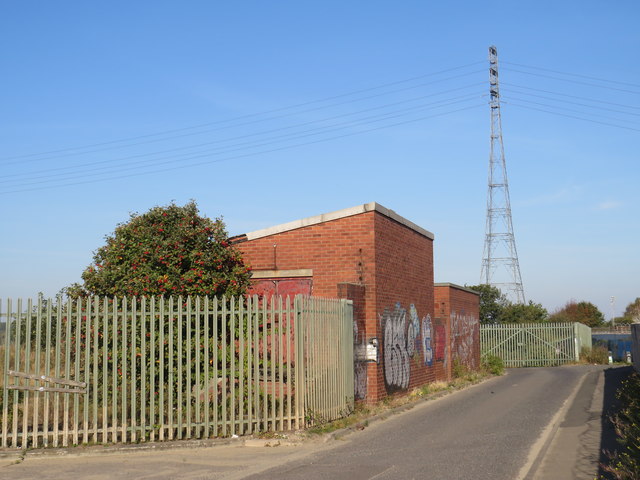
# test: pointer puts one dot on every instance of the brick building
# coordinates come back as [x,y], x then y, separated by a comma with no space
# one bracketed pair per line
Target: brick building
[460,306]
[381,261]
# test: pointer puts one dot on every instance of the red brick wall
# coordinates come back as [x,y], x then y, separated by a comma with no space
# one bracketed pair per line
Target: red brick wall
[387,269]
[337,251]
[362,369]
[461,308]
[404,300]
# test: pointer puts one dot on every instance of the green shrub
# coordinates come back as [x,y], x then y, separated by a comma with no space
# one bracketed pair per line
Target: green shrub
[458,369]
[598,354]
[625,464]
[493,365]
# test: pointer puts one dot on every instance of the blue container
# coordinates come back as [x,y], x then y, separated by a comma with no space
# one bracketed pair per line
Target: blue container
[617,343]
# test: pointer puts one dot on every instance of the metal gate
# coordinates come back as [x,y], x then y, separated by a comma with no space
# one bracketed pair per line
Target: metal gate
[535,345]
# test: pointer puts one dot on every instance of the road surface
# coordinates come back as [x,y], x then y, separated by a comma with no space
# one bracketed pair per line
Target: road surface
[534,423]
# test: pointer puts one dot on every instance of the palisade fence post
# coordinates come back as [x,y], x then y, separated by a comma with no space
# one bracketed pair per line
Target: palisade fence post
[77,362]
[86,370]
[231,374]
[216,355]
[256,362]
[27,365]
[5,372]
[207,356]
[133,388]
[250,348]
[299,365]
[288,327]
[196,388]
[242,332]
[224,374]
[280,383]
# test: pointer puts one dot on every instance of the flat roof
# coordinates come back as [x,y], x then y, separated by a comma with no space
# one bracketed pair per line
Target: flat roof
[327,217]
[453,285]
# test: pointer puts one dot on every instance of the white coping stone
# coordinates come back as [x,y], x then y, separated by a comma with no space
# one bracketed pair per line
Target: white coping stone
[347,212]
[301,272]
[453,285]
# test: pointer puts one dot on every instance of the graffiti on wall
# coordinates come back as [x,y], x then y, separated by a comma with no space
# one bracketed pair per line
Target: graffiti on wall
[397,369]
[464,329]
[413,331]
[360,368]
[405,337]
[427,340]
[440,337]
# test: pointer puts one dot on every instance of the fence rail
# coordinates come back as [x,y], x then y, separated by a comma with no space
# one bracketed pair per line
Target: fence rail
[127,370]
[537,344]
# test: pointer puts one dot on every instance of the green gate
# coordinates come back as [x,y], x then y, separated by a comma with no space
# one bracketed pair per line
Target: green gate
[536,344]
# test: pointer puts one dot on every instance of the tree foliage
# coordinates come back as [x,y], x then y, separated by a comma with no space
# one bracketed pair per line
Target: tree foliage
[169,250]
[495,307]
[523,313]
[492,303]
[582,312]
[632,312]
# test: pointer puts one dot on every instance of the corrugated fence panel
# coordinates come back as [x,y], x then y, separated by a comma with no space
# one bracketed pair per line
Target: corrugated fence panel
[538,344]
[129,370]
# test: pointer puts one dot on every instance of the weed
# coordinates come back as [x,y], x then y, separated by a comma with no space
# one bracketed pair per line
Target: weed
[362,412]
[458,369]
[598,354]
[493,365]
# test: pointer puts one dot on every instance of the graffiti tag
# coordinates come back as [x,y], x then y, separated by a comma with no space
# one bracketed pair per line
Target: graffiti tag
[396,357]
[427,339]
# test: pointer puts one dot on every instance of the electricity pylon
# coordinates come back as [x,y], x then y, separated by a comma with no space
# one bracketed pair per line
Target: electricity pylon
[500,267]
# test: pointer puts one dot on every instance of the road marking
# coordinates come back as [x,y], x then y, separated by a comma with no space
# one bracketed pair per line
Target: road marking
[539,448]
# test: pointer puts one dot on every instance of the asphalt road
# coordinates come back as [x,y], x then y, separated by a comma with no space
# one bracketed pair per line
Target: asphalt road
[500,429]
[486,432]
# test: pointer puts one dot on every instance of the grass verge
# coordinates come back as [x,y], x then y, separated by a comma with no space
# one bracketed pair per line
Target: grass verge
[359,418]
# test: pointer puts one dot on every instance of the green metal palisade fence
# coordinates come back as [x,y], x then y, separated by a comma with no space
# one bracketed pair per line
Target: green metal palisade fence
[329,388]
[124,370]
[535,344]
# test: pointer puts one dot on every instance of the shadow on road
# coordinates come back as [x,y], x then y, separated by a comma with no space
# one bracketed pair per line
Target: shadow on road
[613,378]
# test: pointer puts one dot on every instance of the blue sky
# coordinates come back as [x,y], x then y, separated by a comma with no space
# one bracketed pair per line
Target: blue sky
[266,112]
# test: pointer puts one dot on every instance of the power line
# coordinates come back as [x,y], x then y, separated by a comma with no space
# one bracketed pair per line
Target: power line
[113,143]
[580,104]
[244,145]
[255,134]
[571,96]
[568,109]
[286,147]
[573,74]
[573,116]
[574,81]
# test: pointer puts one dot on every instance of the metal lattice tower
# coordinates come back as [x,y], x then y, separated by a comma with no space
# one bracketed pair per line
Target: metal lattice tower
[500,267]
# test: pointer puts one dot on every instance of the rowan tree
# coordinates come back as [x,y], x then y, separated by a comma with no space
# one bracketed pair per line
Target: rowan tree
[169,250]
